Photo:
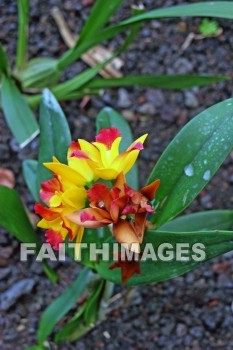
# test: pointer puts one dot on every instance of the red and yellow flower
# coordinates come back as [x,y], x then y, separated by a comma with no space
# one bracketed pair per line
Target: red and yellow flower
[88,161]
[61,198]
[65,212]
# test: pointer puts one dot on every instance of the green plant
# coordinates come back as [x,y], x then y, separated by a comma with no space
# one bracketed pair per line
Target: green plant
[208,27]
[207,139]
[21,87]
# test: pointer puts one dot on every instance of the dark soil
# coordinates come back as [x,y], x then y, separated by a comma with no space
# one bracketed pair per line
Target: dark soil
[188,312]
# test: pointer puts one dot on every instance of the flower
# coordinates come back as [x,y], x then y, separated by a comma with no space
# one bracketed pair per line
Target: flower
[88,161]
[61,198]
[65,212]
[121,206]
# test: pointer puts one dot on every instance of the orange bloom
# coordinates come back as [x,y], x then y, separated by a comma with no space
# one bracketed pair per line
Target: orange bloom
[121,206]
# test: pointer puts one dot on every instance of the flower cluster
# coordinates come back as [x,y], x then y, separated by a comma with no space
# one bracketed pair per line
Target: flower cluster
[76,198]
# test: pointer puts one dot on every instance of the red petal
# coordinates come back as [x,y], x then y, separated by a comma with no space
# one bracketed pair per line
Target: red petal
[45,213]
[137,146]
[74,146]
[98,192]
[140,225]
[150,190]
[48,189]
[79,154]
[128,268]
[108,136]
[54,238]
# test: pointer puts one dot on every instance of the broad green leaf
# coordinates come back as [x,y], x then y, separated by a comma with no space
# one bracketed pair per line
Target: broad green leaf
[55,135]
[19,116]
[30,168]
[3,61]
[63,304]
[22,43]
[219,9]
[107,118]
[13,216]
[169,82]
[191,160]
[40,72]
[215,243]
[203,221]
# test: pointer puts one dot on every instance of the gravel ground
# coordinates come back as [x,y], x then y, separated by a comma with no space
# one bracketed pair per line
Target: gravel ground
[188,312]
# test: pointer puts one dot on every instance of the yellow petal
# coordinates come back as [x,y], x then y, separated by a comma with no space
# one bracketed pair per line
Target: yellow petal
[108,156]
[90,149]
[140,139]
[107,173]
[75,198]
[82,167]
[125,161]
[55,201]
[66,173]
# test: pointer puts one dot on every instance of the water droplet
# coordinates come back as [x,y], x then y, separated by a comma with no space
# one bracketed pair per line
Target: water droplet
[188,170]
[205,161]
[206,175]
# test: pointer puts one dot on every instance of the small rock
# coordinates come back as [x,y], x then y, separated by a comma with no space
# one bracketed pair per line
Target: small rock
[147,109]
[129,115]
[6,252]
[4,273]
[14,145]
[183,65]
[10,296]
[20,328]
[197,332]
[156,97]
[190,100]
[123,99]
[181,330]
[206,201]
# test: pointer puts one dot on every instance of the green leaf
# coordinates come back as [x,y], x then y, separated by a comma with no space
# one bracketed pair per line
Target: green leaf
[136,10]
[191,160]
[30,173]
[99,16]
[107,118]
[75,325]
[23,13]
[3,61]
[14,218]
[208,27]
[215,243]
[203,221]
[50,273]
[80,80]
[40,72]
[61,306]
[219,9]
[19,117]
[169,82]
[92,305]
[55,135]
